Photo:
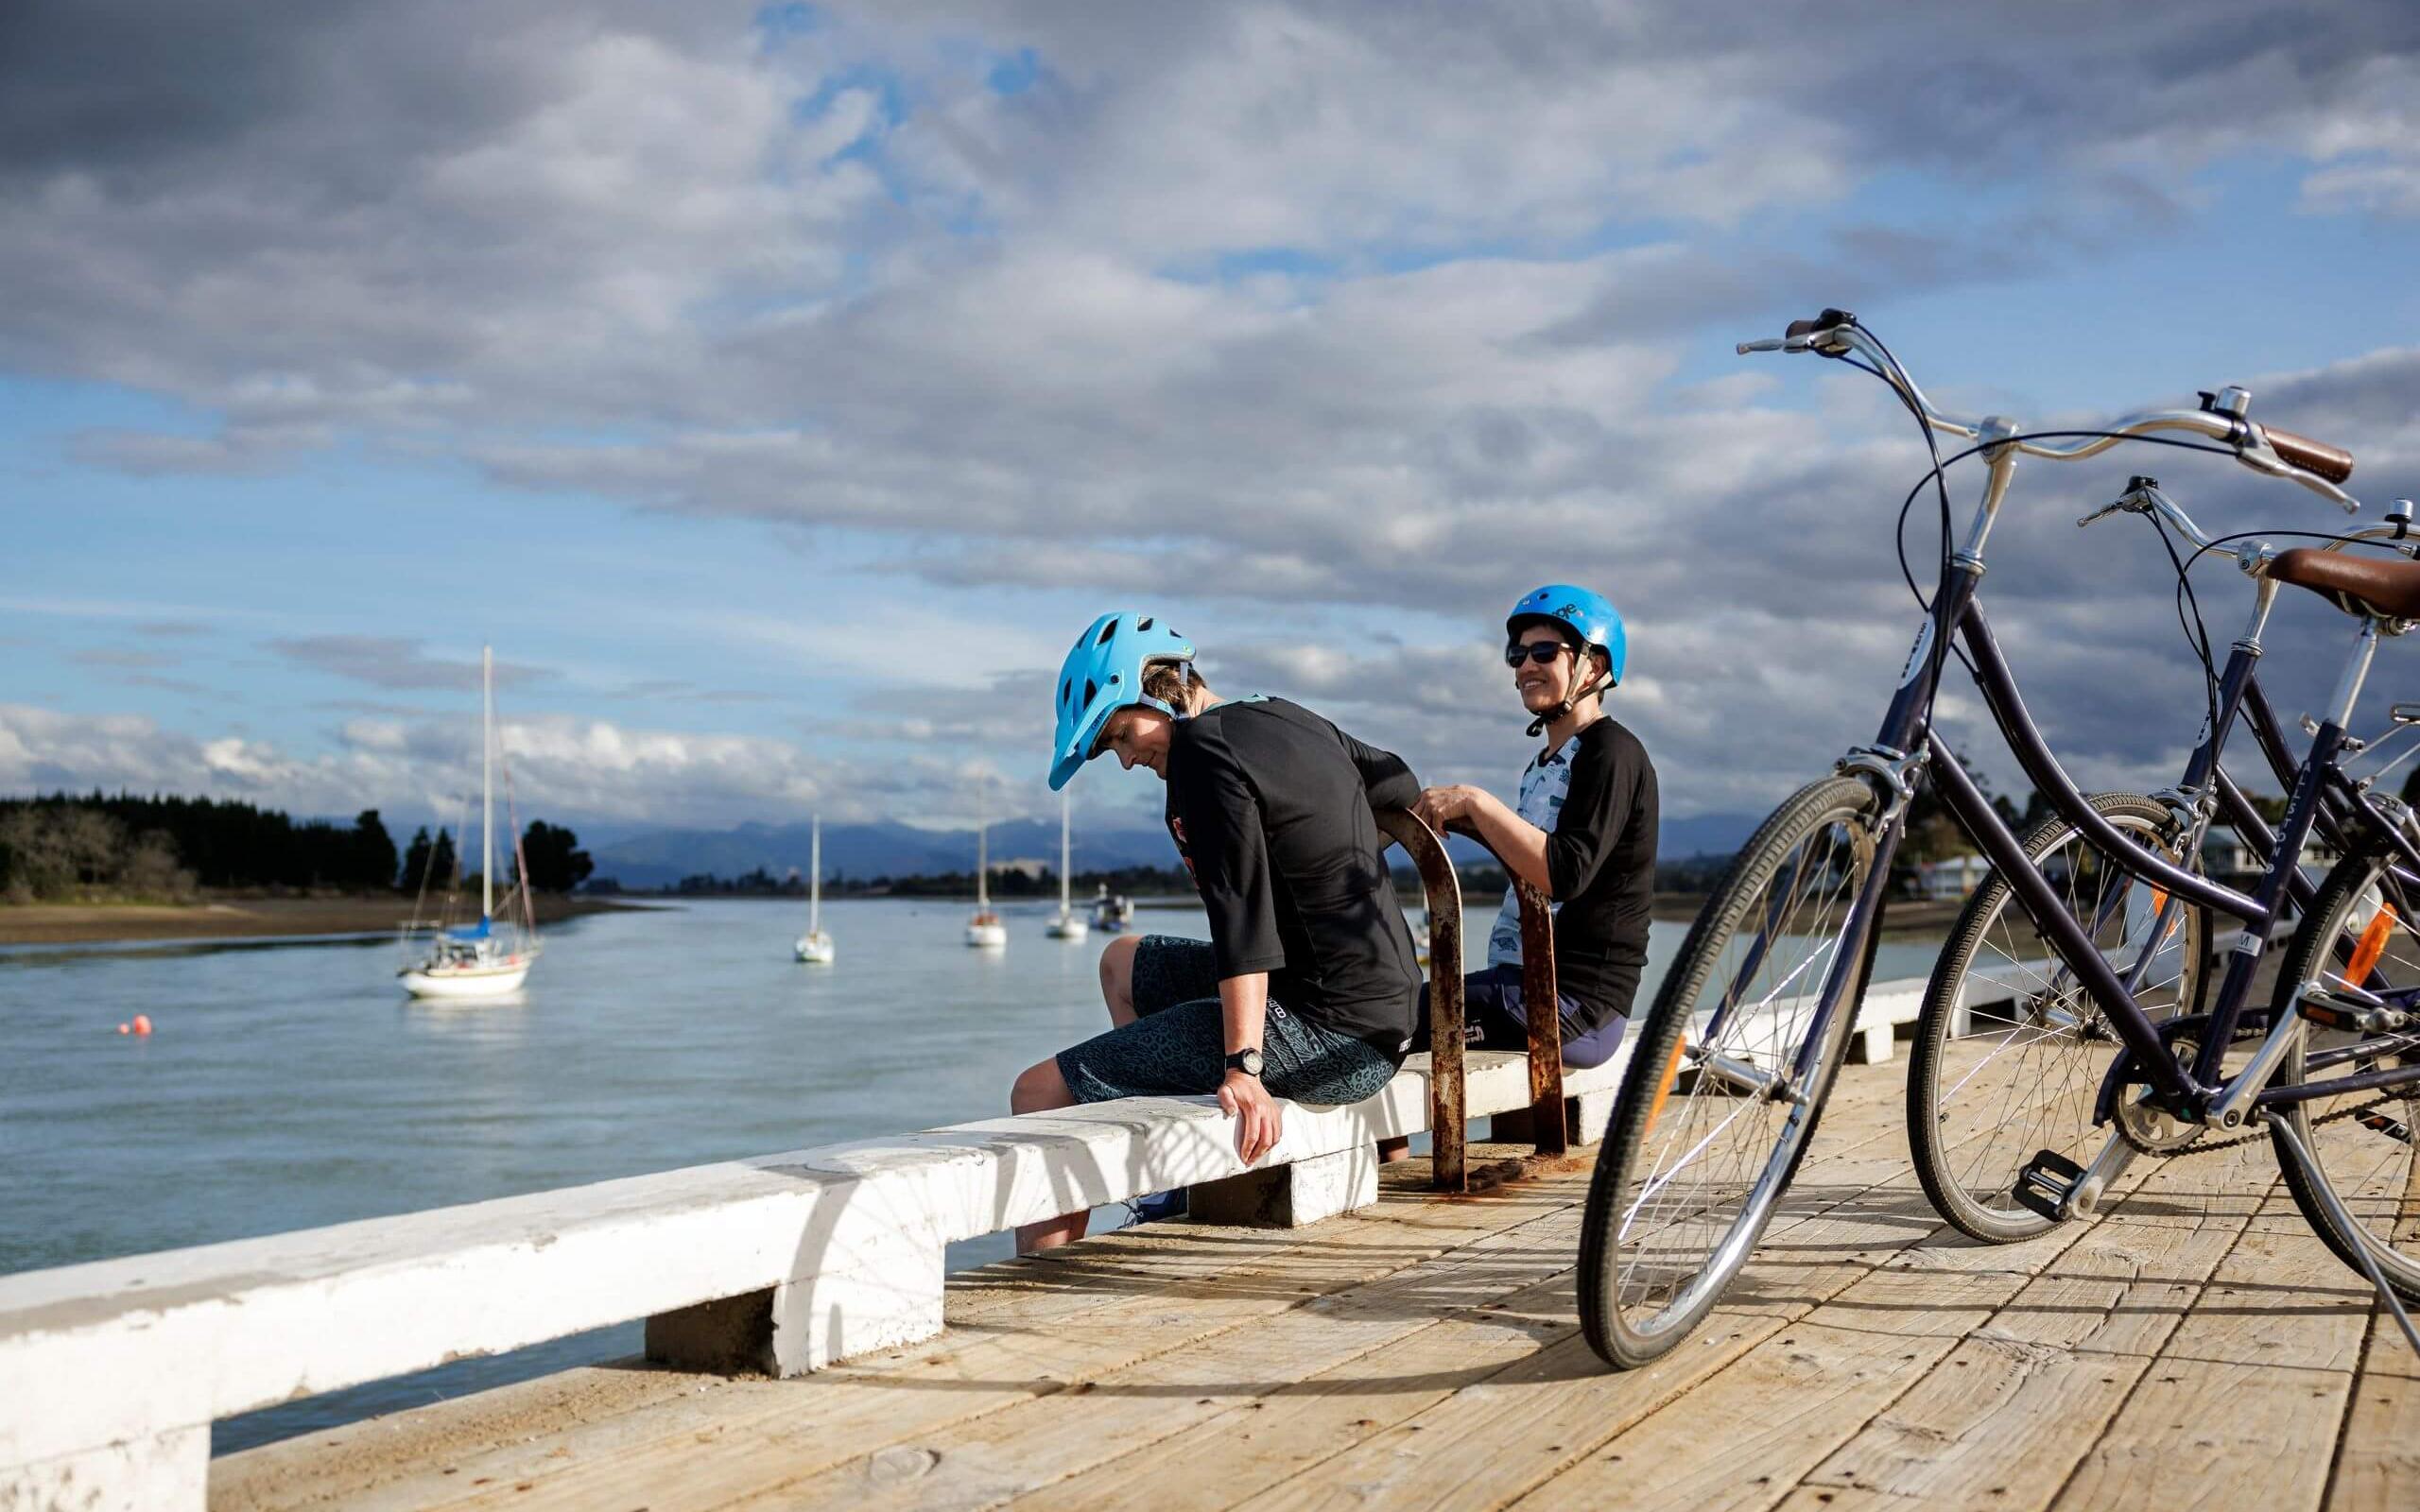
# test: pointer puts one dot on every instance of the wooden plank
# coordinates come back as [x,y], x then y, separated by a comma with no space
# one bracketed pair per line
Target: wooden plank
[986,1461]
[1237,1456]
[1128,1298]
[2006,1416]
[1744,1438]
[1489,1444]
[2248,1391]
[2378,1465]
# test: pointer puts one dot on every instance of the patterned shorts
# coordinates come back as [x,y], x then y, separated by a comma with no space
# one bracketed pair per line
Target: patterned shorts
[1177,1045]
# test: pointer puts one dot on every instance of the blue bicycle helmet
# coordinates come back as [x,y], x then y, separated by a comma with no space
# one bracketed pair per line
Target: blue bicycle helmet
[1103,672]
[1589,617]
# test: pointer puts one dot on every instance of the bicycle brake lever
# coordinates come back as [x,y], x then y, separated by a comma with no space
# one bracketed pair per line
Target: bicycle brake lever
[1768,344]
[2103,513]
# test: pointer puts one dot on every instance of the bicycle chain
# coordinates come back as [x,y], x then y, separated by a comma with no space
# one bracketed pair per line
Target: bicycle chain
[2263,1132]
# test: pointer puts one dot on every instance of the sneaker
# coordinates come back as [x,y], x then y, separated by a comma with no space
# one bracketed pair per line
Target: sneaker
[1157,1206]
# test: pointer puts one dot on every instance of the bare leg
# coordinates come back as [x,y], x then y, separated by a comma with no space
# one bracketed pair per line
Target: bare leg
[1117,978]
[1389,1151]
[1040,1087]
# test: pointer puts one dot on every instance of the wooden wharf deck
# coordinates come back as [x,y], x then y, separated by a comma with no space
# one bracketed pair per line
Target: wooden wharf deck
[2194,1348]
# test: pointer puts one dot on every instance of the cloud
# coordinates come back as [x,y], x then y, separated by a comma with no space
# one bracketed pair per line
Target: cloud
[1301,316]
[560,767]
[392,663]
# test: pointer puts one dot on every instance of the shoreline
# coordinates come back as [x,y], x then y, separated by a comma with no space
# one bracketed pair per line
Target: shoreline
[239,917]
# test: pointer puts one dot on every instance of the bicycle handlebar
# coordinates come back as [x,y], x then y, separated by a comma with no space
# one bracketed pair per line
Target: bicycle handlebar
[2314,465]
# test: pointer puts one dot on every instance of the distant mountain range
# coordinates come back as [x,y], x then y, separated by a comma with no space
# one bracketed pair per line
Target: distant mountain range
[660,858]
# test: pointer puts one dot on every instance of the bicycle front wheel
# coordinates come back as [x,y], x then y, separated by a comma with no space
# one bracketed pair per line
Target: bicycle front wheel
[2010,1050]
[2361,931]
[1708,1129]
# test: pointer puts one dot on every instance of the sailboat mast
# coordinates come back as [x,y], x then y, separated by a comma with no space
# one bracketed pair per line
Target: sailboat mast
[1063,810]
[982,856]
[487,780]
[814,878]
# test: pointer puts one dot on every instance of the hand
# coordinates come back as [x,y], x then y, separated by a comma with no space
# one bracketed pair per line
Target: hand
[1258,1119]
[1440,806]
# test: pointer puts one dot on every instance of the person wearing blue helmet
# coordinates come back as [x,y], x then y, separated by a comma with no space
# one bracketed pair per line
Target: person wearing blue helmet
[1583,830]
[1307,988]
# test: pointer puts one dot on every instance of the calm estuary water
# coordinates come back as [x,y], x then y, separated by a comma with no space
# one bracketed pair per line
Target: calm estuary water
[288,1086]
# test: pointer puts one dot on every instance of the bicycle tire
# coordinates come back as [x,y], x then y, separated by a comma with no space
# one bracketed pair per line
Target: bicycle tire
[1963,1165]
[1840,810]
[2368,1161]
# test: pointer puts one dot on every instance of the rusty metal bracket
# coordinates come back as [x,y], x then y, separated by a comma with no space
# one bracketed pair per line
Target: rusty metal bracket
[1447,1122]
[1540,998]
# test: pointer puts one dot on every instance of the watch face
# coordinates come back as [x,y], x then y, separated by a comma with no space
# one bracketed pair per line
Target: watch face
[1248,1062]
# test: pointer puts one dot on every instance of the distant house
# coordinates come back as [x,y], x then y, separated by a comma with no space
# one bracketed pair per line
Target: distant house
[1948,880]
[2225,854]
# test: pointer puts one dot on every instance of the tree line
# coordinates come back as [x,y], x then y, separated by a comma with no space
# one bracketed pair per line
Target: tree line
[62,846]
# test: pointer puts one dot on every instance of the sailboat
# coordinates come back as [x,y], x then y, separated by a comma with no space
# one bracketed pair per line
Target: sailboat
[475,960]
[1067,924]
[815,947]
[984,931]
[1112,911]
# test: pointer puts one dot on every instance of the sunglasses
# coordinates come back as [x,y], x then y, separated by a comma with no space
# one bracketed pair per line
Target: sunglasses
[1541,652]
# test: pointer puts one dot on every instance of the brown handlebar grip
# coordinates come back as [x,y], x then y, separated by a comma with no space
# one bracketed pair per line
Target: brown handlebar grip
[1803,328]
[2333,463]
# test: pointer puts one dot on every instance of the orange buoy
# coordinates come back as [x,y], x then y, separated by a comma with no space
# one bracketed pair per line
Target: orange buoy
[125,1028]
[142,1024]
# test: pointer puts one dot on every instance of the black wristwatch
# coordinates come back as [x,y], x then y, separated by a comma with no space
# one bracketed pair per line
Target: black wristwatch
[1246,1061]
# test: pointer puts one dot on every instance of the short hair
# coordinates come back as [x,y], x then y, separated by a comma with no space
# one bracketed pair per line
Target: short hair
[1169,683]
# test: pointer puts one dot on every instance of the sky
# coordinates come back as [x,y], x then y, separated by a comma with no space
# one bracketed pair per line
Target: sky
[780,389]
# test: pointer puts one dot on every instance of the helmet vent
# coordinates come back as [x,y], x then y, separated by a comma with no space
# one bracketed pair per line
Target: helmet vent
[1066,690]
[1106,632]
[1143,624]
[1091,689]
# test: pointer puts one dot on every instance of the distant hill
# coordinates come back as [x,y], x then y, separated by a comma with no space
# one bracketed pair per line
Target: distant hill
[660,858]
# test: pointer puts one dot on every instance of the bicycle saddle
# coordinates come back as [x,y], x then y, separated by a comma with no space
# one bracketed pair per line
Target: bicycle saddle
[2356,585]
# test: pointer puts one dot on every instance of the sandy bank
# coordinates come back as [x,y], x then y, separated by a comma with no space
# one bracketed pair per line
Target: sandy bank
[234,918]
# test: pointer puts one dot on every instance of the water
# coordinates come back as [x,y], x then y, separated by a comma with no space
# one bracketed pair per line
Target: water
[294,1085]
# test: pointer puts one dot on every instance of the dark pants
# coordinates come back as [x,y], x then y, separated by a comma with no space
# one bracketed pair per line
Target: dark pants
[1495,1017]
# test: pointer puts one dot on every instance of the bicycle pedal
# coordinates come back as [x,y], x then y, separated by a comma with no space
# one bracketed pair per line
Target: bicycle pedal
[2393,1128]
[2045,1182]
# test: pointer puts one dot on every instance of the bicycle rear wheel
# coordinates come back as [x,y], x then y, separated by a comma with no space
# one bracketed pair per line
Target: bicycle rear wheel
[2363,921]
[2009,1050]
[1695,1160]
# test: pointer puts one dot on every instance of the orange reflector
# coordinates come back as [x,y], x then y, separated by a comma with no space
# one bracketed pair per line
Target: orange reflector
[2372,945]
[1671,1074]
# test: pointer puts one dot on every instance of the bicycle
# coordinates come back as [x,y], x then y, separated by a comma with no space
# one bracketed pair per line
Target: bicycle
[1998,1023]
[1718,1101]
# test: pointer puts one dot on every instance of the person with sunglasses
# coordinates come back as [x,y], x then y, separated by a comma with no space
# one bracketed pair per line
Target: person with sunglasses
[1584,830]
[1306,986]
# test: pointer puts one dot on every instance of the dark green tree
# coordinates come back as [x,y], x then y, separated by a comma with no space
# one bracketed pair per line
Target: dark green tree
[556,862]
[442,861]
[373,852]
[415,860]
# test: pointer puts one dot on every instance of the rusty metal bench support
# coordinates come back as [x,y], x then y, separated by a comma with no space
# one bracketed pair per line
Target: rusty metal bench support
[1448,1123]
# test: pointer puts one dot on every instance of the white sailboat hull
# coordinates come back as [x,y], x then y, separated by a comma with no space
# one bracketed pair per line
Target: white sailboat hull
[815,948]
[987,937]
[499,979]
[1068,926]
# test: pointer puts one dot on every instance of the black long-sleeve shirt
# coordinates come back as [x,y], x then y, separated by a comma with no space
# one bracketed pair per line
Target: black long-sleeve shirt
[1271,805]
[1600,860]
